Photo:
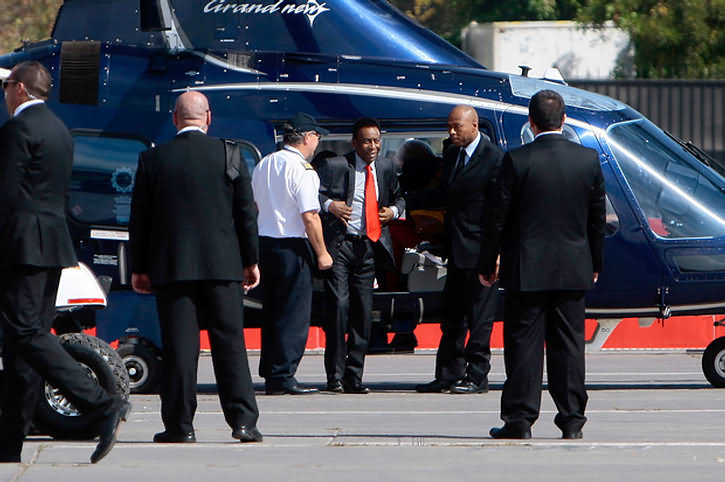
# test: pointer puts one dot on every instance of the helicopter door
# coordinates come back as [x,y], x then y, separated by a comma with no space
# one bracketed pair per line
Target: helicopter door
[632,273]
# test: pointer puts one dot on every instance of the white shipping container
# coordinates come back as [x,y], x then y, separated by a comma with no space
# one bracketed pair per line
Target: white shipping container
[578,52]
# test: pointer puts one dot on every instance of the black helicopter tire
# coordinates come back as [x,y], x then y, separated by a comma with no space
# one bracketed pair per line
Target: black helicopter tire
[143,365]
[55,415]
[713,362]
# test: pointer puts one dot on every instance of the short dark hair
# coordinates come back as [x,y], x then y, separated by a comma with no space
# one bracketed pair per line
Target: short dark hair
[35,77]
[362,123]
[546,109]
[291,136]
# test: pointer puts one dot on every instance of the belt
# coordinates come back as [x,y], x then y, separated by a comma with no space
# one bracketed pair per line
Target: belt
[355,237]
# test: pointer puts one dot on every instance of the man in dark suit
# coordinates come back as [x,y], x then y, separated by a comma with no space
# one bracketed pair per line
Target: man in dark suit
[359,195]
[548,224]
[193,234]
[36,155]
[470,170]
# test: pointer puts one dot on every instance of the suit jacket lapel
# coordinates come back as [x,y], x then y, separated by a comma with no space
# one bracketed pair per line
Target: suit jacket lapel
[380,176]
[454,167]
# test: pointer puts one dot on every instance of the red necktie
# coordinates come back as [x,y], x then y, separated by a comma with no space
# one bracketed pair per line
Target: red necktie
[372,221]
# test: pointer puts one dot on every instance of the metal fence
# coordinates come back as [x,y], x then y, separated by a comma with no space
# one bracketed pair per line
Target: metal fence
[693,110]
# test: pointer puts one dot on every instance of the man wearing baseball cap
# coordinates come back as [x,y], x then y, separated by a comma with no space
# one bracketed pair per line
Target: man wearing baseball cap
[286,191]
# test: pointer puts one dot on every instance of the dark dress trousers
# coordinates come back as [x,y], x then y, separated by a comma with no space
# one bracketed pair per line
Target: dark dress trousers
[36,156]
[349,285]
[548,225]
[470,307]
[192,231]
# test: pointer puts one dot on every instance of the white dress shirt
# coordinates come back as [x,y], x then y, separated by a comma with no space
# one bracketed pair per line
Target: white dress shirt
[25,105]
[357,225]
[285,186]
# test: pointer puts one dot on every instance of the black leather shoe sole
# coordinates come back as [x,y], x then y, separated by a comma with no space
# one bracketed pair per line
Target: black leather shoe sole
[108,429]
[335,387]
[357,389]
[469,387]
[295,390]
[174,438]
[9,459]
[507,432]
[247,434]
[572,434]
[436,386]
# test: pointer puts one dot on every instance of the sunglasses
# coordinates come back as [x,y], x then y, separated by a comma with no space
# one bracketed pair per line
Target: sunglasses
[8,82]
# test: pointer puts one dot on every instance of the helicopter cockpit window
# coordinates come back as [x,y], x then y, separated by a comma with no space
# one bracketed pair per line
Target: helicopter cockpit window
[527,135]
[678,196]
[104,168]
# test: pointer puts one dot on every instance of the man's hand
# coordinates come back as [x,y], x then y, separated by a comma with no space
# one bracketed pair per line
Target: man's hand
[251,277]
[385,214]
[324,262]
[141,283]
[595,277]
[487,280]
[340,210]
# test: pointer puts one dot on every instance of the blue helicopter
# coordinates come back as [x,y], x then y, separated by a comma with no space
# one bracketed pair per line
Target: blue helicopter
[119,65]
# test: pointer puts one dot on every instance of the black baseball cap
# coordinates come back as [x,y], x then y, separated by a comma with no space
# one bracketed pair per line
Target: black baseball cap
[303,122]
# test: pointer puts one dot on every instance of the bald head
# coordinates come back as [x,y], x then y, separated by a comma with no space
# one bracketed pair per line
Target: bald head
[463,125]
[192,109]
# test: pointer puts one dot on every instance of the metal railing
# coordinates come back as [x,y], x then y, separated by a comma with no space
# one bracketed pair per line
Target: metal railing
[693,110]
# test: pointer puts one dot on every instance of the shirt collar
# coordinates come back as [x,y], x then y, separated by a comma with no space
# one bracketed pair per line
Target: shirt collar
[471,148]
[360,165]
[546,133]
[27,104]
[295,150]
[191,128]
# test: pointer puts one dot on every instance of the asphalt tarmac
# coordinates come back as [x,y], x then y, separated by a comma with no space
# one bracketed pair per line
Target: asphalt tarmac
[652,417]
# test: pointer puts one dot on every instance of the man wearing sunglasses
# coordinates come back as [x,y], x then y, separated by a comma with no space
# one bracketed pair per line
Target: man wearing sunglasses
[36,155]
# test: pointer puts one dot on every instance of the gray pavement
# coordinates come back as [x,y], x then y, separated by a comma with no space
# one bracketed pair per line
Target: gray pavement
[652,416]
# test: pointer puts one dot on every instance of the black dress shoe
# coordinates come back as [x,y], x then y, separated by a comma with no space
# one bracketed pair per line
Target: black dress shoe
[469,386]
[507,431]
[9,459]
[292,390]
[436,386]
[169,437]
[571,434]
[108,428]
[335,386]
[245,434]
[357,388]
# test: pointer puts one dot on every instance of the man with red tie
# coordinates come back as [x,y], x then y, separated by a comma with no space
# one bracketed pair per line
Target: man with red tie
[359,195]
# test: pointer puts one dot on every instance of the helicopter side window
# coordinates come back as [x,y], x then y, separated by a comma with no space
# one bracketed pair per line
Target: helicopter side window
[527,135]
[250,154]
[612,219]
[678,196]
[104,169]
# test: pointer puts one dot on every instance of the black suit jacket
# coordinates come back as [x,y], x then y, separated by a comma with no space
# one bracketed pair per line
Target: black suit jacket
[467,196]
[188,221]
[549,219]
[337,183]
[36,159]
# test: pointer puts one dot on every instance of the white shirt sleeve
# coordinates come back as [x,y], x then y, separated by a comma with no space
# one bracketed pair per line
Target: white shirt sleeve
[307,192]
